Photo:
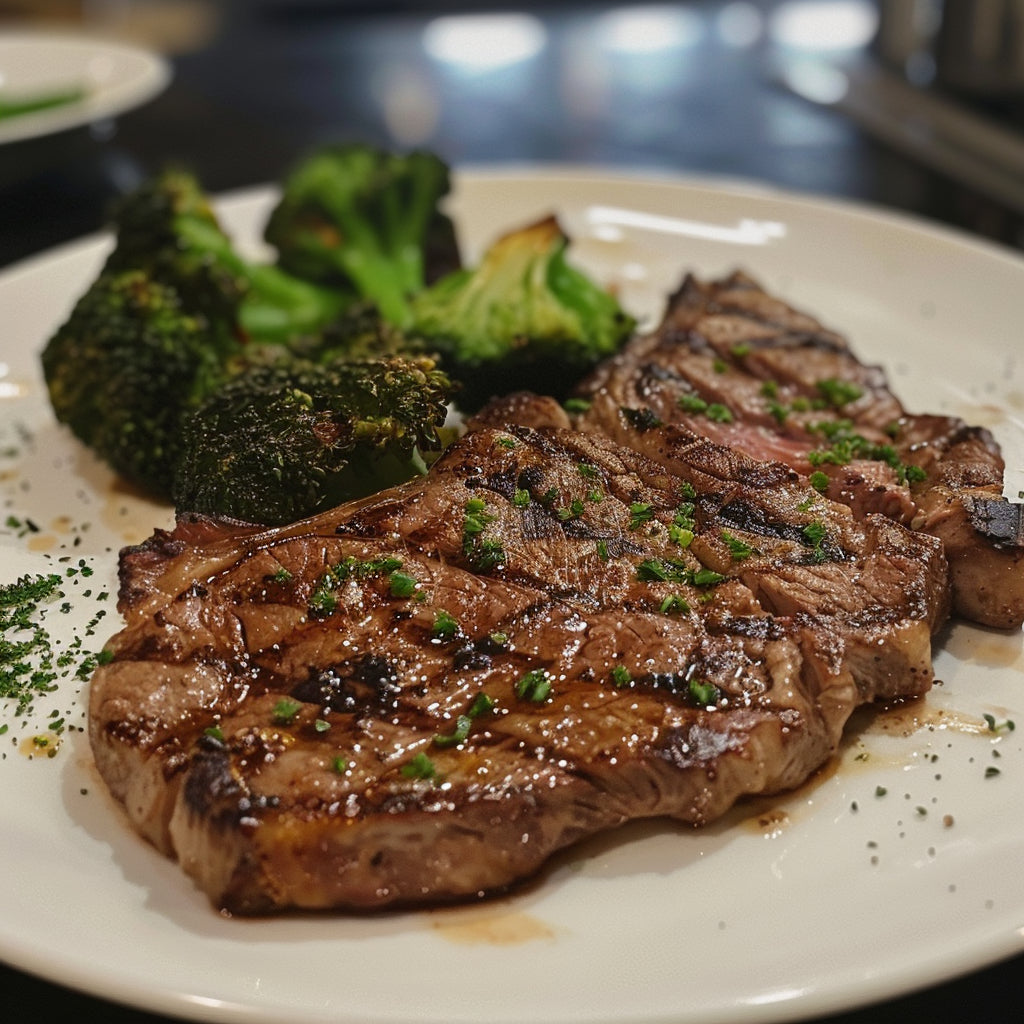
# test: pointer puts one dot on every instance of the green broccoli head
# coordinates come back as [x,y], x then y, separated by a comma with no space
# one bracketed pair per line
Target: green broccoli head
[359,333]
[168,227]
[523,319]
[123,367]
[279,442]
[369,220]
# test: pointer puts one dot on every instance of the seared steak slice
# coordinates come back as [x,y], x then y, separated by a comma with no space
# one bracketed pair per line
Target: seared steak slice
[422,695]
[741,367]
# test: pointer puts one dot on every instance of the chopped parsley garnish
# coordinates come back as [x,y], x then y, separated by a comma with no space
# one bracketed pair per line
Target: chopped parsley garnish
[484,554]
[819,481]
[703,694]
[323,602]
[674,603]
[640,512]
[661,570]
[482,705]
[476,517]
[739,549]
[845,445]
[534,686]
[487,555]
[445,627]
[713,410]
[1007,725]
[285,710]
[420,767]
[839,392]
[402,584]
[814,534]
[573,511]
[520,498]
[576,405]
[462,726]
[621,676]
[683,525]
[27,663]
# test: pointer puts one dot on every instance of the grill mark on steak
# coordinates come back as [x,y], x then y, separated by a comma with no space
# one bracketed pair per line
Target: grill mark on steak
[298,734]
[738,366]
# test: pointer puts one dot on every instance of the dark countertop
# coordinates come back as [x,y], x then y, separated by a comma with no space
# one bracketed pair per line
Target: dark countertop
[257,84]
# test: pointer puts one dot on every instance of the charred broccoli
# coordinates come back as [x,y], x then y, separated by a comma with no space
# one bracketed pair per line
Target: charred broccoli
[168,228]
[522,319]
[278,442]
[126,364]
[176,403]
[246,390]
[366,220]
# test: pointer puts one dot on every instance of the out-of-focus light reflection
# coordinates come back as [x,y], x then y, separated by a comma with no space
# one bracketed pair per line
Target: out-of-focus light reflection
[604,220]
[408,102]
[648,29]
[816,81]
[838,25]
[484,42]
[740,24]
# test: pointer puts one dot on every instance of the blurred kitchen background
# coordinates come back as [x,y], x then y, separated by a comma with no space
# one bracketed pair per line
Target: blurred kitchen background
[916,105]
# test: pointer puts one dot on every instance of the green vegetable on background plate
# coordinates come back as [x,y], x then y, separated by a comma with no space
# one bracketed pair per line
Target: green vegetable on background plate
[12,106]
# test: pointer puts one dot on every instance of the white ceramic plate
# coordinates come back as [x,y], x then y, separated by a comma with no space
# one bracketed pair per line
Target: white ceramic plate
[114,77]
[828,898]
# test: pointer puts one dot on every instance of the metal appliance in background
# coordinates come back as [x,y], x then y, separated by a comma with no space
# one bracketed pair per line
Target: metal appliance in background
[974,48]
[943,84]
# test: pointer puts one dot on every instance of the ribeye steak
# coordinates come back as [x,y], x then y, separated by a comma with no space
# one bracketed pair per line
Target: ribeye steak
[420,696]
[742,367]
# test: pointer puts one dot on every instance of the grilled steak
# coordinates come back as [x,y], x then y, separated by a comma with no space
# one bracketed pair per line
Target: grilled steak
[741,367]
[420,696]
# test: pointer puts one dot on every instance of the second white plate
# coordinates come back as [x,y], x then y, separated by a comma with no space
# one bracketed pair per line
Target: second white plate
[113,77]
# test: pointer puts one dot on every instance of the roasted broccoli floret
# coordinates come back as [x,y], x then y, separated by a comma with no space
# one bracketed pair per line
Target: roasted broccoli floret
[168,228]
[359,218]
[278,442]
[359,333]
[126,364]
[522,319]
